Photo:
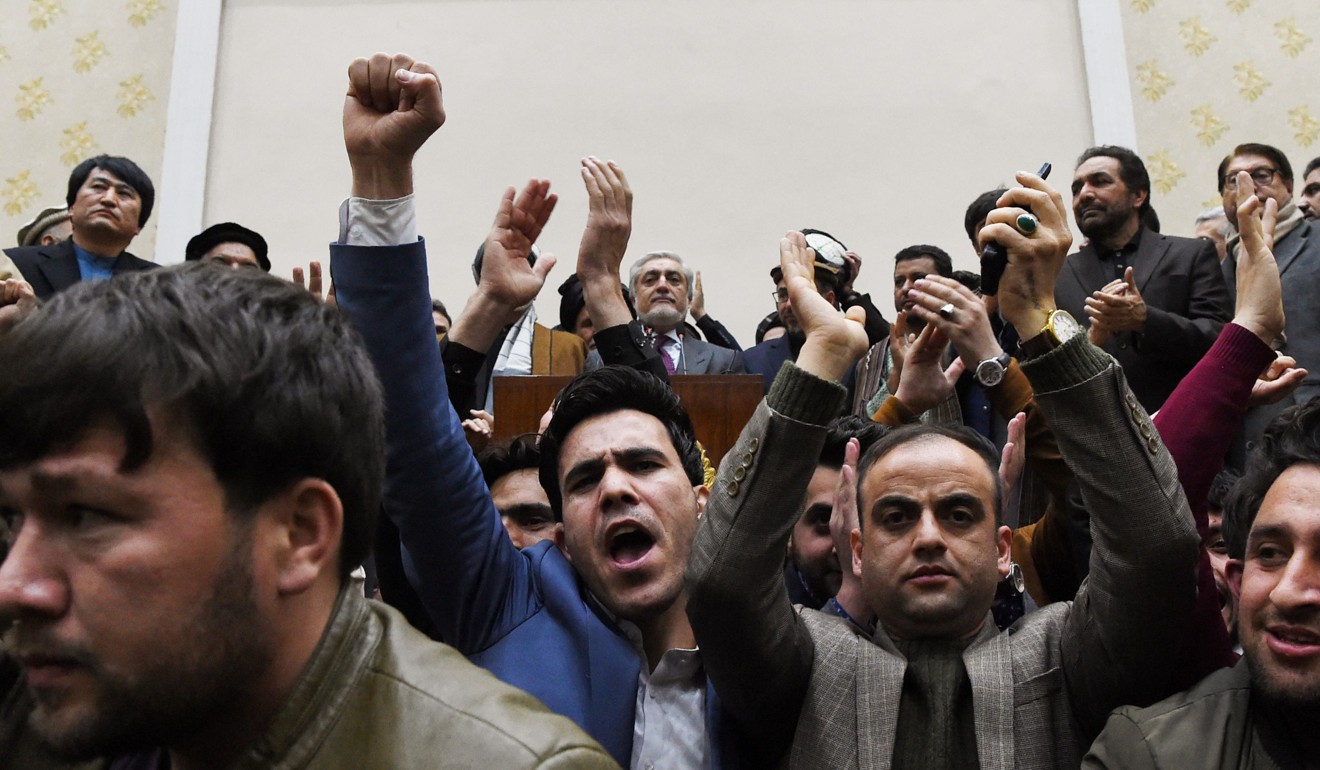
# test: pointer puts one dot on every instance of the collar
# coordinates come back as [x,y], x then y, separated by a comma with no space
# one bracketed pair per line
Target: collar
[91,256]
[1128,248]
[1290,218]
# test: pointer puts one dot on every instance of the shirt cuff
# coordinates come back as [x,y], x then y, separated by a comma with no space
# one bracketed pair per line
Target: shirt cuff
[364,222]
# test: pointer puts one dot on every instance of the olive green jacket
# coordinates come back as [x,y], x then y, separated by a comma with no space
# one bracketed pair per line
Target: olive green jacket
[377,694]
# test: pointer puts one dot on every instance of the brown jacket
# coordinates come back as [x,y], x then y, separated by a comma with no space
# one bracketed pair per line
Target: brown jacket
[557,352]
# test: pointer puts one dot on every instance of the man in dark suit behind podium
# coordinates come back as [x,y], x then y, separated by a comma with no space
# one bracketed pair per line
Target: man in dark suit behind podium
[110,199]
[1155,302]
[662,288]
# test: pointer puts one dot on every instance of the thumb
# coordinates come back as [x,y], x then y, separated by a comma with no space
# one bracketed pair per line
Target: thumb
[1129,280]
[856,314]
[543,265]
[955,370]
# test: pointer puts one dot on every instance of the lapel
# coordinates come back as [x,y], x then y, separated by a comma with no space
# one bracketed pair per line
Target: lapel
[1089,273]
[696,357]
[1154,247]
[880,669]
[59,265]
[541,353]
[990,669]
[1286,251]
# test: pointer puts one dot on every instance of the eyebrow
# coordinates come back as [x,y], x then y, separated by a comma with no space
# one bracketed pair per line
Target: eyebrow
[1267,532]
[625,456]
[525,511]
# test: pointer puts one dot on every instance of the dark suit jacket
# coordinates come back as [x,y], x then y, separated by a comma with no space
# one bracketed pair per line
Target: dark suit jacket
[1186,305]
[1298,255]
[698,358]
[55,267]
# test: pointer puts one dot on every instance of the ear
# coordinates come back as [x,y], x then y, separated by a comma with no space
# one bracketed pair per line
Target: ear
[855,538]
[1004,546]
[1139,198]
[1233,573]
[832,298]
[702,493]
[303,528]
[558,537]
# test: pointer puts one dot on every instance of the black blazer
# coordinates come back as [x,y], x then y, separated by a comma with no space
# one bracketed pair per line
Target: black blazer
[1186,304]
[55,267]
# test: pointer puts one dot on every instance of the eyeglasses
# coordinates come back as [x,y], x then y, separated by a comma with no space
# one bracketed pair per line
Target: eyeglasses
[1262,175]
[780,296]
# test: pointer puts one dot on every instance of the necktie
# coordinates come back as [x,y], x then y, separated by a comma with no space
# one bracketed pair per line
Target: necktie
[662,343]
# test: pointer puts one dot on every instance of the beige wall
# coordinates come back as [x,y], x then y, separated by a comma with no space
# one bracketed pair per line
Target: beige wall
[78,78]
[1209,76]
[736,121]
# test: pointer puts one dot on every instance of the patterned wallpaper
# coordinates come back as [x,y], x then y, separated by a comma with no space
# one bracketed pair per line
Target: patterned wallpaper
[1207,76]
[79,78]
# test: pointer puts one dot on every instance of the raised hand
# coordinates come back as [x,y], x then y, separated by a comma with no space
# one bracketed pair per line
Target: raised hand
[843,517]
[18,300]
[965,324]
[506,276]
[834,341]
[698,304]
[392,106]
[923,383]
[600,255]
[1014,457]
[1259,295]
[1278,381]
[480,428]
[313,281]
[1026,292]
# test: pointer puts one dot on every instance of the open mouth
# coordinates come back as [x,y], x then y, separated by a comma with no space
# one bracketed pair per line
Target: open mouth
[629,545]
[1294,641]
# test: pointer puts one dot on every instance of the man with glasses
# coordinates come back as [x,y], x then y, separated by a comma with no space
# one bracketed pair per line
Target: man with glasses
[766,358]
[1154,302]
[1296,249]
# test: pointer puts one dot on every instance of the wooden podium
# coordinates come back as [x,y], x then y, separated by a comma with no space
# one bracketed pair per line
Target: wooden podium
[720,405]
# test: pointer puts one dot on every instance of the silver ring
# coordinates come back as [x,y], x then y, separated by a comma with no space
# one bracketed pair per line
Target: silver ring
[1027,223]
[946,312]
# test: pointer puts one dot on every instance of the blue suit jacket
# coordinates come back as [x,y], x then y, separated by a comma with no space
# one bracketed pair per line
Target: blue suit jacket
[523,615]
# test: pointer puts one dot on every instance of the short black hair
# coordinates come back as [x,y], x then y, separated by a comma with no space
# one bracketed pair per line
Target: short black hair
[924,432]
[843,428]
[1132,170]
[979,209]
[1275,156]
[499,460]
[1220,487]
[439,307]
[123,168]
[1312,166]
[614,389]
[272,385]
[943,262]
[1293,438]
[766,324]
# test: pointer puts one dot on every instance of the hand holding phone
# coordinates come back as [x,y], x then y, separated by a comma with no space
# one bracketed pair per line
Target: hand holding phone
[994,259]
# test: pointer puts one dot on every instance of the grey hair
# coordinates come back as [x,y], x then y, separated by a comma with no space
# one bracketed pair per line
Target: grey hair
[1212,213]
[636,269]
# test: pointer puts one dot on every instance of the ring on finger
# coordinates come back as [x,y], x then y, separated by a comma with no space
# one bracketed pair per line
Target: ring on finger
[946,312]
[1027,223]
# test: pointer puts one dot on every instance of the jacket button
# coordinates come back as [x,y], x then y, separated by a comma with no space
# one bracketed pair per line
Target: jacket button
[753,445]
[740,473]
[733,489]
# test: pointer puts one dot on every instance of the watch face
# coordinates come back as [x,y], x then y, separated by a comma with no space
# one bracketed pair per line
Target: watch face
[1065,326]
[989,372]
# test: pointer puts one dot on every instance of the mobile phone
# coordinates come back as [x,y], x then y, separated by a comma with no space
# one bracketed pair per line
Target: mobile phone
[993,257]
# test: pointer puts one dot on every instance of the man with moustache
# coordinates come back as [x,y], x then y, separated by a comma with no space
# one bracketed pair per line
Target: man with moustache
[110,199]
[1155,302]
[662,288]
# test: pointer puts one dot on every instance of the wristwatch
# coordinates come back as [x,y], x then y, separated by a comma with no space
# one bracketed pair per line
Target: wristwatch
[1059,328]
[990,372]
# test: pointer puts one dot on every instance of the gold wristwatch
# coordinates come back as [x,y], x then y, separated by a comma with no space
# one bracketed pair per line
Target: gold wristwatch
[1059,328]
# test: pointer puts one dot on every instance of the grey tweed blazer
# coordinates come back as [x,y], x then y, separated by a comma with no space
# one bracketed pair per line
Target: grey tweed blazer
[1043,688]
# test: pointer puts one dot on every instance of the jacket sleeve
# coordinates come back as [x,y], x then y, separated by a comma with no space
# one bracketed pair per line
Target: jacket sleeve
[755,649]
[1119,642]
[717,334]
[474,583]
[1192,425]
[1185,338]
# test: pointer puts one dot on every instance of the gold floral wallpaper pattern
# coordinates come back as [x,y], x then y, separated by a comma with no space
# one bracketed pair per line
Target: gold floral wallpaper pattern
[1207,76]
[78,78]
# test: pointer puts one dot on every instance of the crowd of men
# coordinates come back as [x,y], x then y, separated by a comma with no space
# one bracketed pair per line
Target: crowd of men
[952,538]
